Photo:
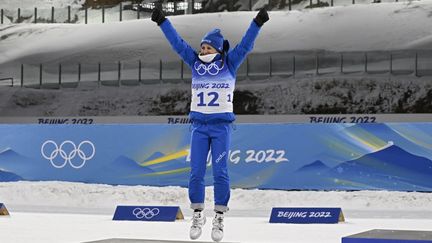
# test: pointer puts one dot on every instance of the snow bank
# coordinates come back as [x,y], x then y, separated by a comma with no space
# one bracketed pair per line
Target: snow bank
[66,196]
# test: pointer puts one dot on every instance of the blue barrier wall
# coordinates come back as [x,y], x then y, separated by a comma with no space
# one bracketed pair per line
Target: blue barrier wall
[391,156]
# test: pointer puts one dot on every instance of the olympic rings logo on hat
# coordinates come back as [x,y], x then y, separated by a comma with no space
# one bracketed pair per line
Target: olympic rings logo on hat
[145,213]
[67,156]
[212,69]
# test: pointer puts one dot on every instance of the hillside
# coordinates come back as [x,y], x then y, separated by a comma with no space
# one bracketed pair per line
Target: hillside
[342,28]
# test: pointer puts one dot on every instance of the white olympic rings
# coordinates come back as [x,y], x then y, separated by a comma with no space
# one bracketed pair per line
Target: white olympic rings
[67,157]
[147,213]
[212,69]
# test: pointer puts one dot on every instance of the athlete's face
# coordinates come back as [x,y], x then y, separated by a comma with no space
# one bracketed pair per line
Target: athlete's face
[207,49]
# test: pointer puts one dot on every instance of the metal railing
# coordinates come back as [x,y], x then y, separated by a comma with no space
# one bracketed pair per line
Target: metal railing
[123,12]
[284,65]
[2,80]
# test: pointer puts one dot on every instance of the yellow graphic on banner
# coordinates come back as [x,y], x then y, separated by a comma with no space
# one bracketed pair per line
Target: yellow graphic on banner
[168,172]
[366,139]
[169,157]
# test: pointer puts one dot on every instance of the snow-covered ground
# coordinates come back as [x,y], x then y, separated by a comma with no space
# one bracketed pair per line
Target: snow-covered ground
[74,228]
[79,212]
[388,26]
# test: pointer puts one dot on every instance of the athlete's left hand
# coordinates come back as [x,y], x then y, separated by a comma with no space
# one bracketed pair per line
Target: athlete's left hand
[158,16]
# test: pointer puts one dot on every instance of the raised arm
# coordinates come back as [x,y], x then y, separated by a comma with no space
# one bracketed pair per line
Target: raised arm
[237,55]
[182,48]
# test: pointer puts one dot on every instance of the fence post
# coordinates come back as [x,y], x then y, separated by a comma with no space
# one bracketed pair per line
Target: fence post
[342,63]
[35,15]
[139,71]
[250,5]
[331,3]
[289,5]
[391,63]
[366,62]
[270,66]
[119,73]
[79,73]
[181,69]
[310,3]
[416,65]
[86,15]
[40,75]
[121,11]
[317,64]
[69,14]
[247,67]
[103,13]
[1,16]
[353,1]
[160,70]
[60,74]
[22,75]
[52,15]
[230,6]
[99,74]
[294,65]
[138,13]
[193,6]
[19,15]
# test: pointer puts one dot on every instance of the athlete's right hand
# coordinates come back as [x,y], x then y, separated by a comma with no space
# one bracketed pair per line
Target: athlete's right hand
[158,16]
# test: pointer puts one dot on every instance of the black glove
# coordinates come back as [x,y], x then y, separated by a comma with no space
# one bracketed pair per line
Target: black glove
[226,46]
[158,16]
[261,17]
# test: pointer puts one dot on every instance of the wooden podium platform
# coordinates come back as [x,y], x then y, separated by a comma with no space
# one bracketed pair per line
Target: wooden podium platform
[390,236]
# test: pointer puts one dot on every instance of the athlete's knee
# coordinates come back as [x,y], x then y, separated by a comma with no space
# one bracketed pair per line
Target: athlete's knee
[221,178]
[199,176]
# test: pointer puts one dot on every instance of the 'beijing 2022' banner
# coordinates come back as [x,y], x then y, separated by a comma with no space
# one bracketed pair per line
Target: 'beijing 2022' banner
[391,156]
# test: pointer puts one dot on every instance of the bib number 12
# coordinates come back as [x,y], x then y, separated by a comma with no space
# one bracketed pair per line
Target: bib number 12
[213,99]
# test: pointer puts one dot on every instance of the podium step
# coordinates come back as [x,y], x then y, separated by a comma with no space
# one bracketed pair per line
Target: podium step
[390,236]
[120,240]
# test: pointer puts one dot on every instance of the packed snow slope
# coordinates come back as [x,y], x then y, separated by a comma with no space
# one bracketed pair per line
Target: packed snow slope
[386,26]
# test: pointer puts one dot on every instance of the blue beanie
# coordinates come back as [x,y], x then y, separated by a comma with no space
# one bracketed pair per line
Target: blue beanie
[215,39]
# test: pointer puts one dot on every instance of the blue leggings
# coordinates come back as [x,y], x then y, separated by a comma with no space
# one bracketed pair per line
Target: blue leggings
[216,137]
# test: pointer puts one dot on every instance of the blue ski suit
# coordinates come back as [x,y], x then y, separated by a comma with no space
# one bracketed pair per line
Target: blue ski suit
[211,112]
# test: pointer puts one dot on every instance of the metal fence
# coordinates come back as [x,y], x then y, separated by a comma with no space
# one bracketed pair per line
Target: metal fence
[122,12]
[284,65]
[6,81]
